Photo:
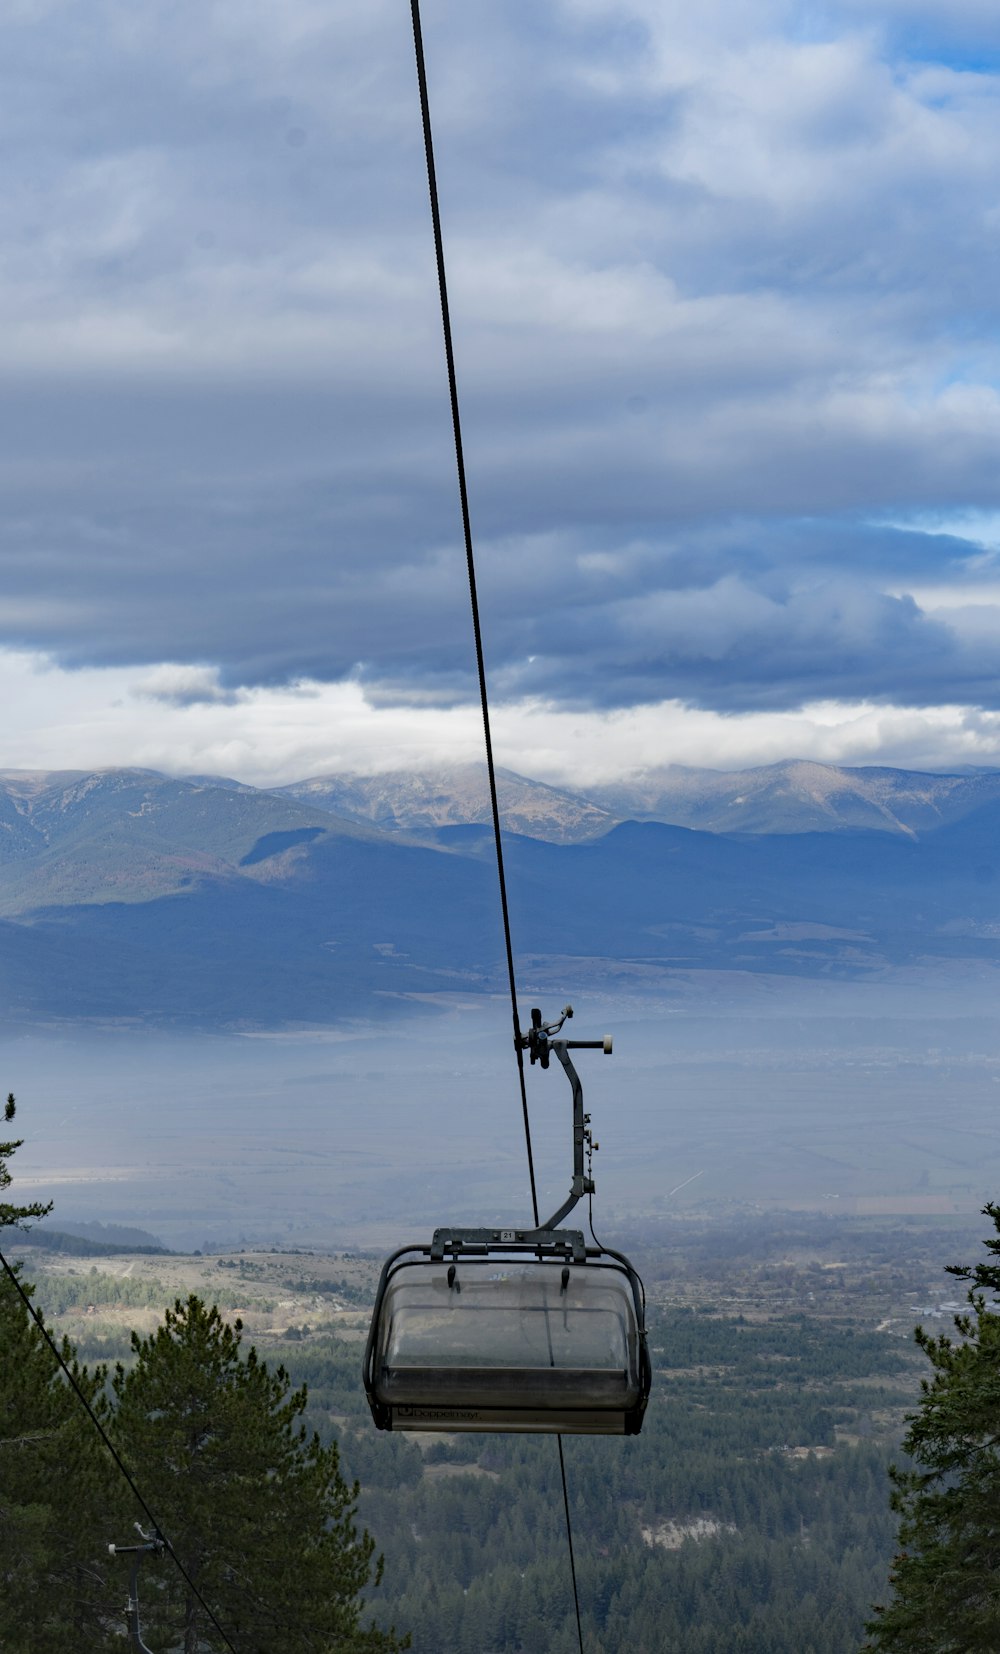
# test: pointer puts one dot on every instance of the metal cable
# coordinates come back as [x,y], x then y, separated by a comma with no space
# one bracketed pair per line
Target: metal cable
[425,115]
[569,1541]
[109,1444]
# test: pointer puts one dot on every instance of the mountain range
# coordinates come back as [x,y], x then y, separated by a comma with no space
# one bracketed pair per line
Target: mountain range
[799,797]
[792,797]
[458,795]
[130,896]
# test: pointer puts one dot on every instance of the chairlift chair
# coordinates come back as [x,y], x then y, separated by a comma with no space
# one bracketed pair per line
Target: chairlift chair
[525,1330]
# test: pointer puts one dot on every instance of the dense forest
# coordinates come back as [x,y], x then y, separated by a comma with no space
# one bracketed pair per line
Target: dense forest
[751,1514]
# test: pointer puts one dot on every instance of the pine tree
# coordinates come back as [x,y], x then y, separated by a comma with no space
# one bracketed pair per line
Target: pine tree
[15,1216]
[56,1491]
[256,1509]
[55,1480]
[946,1577]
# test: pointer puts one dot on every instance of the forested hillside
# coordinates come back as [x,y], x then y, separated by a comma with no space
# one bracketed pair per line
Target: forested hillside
[750,1517]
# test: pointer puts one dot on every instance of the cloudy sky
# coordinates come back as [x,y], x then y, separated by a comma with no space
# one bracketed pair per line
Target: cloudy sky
[724,287]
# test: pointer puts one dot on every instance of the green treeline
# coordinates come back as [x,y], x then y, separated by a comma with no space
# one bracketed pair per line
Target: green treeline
[349,1291]
[79,1246]
[66,1293]
[684,1339]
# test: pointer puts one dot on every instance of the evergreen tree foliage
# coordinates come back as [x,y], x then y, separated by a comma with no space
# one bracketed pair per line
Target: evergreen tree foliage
[946,1577]
[54,1479]
[56,1488]
[53,1587]
[474,1535]
[14,1216]
[256,1508]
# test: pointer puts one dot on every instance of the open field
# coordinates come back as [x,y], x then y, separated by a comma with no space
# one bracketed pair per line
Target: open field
[96,1302]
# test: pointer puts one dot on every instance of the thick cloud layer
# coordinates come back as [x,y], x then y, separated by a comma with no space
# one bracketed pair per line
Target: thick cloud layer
[724,291]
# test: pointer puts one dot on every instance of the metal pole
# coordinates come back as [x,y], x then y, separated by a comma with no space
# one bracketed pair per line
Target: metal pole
[154,1546]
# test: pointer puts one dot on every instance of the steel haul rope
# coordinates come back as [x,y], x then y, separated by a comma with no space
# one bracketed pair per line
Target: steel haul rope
[470,561]
[425,114]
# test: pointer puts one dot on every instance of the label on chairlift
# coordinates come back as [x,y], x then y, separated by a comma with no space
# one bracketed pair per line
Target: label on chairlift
[566,1421]
[453,1413]
[508,1234]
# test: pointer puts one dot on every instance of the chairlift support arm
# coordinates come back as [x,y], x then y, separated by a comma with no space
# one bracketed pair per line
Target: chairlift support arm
[539,1043]
[154,1545]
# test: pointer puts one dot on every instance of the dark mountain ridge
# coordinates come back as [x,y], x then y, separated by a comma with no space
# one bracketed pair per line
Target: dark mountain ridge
[130,897]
